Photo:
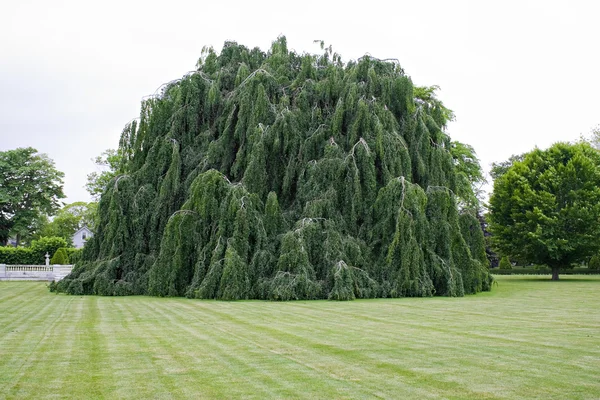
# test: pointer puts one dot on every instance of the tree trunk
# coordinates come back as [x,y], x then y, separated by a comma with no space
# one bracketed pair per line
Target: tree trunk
[555,273]
[17,240]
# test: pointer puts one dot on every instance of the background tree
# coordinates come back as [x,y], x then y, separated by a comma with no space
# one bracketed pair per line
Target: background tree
[500,168]
[469,175]
[546,208]
[110,163]
[30,187]
[593,137]
[469,182]
[69,219]
[29,229]
[594,262]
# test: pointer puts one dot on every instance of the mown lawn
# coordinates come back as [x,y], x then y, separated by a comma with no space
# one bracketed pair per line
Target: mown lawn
[528,338]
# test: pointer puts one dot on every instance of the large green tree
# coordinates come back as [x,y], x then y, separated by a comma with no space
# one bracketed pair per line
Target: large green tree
[30,188]
[284,176]
[545,209]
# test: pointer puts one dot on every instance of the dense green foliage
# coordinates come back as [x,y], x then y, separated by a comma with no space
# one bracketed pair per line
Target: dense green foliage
[33,255]
[46,245]
[284,176]
[546,208]
[74,255]
[30,188]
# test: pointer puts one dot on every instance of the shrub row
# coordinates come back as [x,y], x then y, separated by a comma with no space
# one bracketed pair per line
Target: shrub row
[19,255]
[33,255]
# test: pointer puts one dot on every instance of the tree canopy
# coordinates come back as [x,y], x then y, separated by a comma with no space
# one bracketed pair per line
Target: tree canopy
[545,209]
[30,187]
[285,176]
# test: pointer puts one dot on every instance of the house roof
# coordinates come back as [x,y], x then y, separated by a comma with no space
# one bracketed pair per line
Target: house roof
[83,229]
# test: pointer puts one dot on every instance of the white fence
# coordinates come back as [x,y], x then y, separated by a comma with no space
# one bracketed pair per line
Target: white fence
[34,272]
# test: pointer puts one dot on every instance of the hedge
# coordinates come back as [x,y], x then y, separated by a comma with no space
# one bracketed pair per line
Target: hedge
[543,271]
[33,255]
[18,255]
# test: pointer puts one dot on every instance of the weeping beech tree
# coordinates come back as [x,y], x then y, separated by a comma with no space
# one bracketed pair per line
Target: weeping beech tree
[285,176]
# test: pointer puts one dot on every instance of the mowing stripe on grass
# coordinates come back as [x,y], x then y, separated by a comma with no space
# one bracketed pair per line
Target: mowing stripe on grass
[528,338]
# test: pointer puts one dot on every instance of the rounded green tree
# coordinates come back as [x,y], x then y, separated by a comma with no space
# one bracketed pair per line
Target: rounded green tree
[60,257]
[546,208]
[505,263]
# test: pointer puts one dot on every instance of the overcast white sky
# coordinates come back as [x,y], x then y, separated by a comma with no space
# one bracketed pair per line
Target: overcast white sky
[518,74]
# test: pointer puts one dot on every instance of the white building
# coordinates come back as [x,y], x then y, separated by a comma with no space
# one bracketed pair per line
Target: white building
[81,236]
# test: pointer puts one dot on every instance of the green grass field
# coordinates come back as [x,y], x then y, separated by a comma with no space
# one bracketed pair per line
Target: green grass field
[528,338]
